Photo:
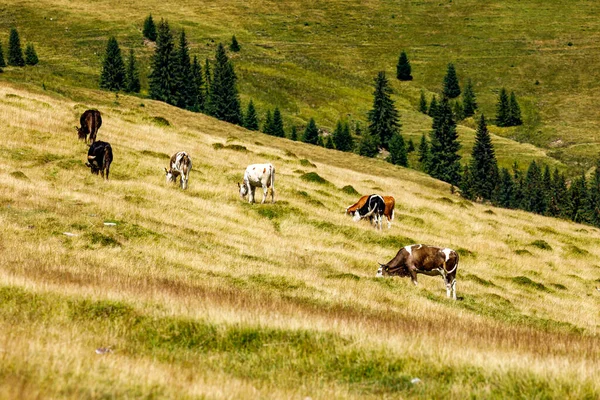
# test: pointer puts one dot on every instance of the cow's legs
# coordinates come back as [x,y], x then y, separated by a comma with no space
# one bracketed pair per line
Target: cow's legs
[272,194]
[389,221]
[251,194]
[265,192]
[413,274]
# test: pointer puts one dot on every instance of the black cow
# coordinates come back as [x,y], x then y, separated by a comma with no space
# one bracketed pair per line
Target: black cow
[90,122]
[373,208]
[100,157]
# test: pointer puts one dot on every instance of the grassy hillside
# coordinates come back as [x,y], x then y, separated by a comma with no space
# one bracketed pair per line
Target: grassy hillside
[318,59]
[200,294]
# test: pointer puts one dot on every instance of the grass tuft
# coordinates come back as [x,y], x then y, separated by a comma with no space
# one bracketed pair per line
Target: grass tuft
[541,244]
[314,177]
[525,281]
[348,189]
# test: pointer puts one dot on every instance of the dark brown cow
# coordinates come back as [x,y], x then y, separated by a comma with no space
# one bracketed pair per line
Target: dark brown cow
[90,122]
[100,156]
[422,259]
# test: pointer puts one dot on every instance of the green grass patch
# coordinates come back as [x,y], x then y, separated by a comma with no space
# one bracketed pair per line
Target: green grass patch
[19,175]
[523,252]
[348,189]
[156,154]
[315,178]
[526,282]
[160,121]
[541,244]
[349,276]
[576,251]
[102,239]
[466,253]
[234,147]
[558,286]
[305,163]
[478,280]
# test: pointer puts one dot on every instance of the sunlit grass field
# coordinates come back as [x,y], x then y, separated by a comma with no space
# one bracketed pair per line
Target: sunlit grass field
[318,59]
[201,295]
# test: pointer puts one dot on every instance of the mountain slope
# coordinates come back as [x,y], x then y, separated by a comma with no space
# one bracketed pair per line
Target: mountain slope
[318,59]
[200,294]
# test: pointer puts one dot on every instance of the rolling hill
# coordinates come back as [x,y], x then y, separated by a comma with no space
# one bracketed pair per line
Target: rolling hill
[199,294]
[132,288]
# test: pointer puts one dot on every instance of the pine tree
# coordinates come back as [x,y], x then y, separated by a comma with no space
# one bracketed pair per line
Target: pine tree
[342,138]
[149,30]
[113,69]
[547,187]
[593,203]
[398,153]
[199,87]
[208,85]
[186,93]
[268,125]
[503,109]
[368,144]
[451,87]
[423,103]
[424,154]
[31,57]
[2,62]
[469,102]
[505,194]
[519,186]
[578,195]
[534,194]
[514,111]
[384,120]
[15,53]
[445,159]
[558,202]
[467,187]
[132,77]
[457,110]
[224,97]
[329,142]
[433,107]
[311,133]
[234,46]
[294,133]
[278,124]
[403,69]
[484,167]
[250,117]
[410,147]
[162,79]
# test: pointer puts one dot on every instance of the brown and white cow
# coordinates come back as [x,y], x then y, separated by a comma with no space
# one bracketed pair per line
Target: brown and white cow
[256,175]
[179,165]
[423,259]
[90,122]
[390,204]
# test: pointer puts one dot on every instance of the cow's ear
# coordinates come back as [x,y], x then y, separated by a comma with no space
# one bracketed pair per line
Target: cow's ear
[166,171]
[239,185]
[77,128]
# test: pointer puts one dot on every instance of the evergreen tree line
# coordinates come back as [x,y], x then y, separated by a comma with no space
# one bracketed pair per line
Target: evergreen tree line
[16,57]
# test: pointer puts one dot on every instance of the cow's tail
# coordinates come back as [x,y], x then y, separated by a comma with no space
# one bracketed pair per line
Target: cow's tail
[392,217]
[455,265]
[272,178]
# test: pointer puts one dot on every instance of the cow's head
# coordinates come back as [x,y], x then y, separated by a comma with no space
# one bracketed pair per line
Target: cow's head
[170,177]
[356,216]
[382,271]
[93,164]
[243,190]
[81,133]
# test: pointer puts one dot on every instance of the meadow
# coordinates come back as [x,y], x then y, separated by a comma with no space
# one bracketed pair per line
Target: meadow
[201,295]
[318,59]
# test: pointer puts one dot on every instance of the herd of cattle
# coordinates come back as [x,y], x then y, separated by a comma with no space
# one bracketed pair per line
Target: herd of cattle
[409,261]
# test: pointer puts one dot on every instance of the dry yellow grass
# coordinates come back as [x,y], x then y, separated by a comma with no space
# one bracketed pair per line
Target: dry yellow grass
[294,280]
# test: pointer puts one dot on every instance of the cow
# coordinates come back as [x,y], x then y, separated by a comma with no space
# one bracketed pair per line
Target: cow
[90,122]
[371,207]
[100,157]
[388,212]
[256,175]
[179,165]
[423,259]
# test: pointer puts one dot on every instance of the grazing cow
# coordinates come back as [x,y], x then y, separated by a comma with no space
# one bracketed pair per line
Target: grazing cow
[100,157]
[256,175]
[422,259]
[388,211]
[180,165]
[372,207]
[90,122]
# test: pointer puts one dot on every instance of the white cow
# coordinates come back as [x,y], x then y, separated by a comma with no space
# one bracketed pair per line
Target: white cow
[180,165]
[256,175]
